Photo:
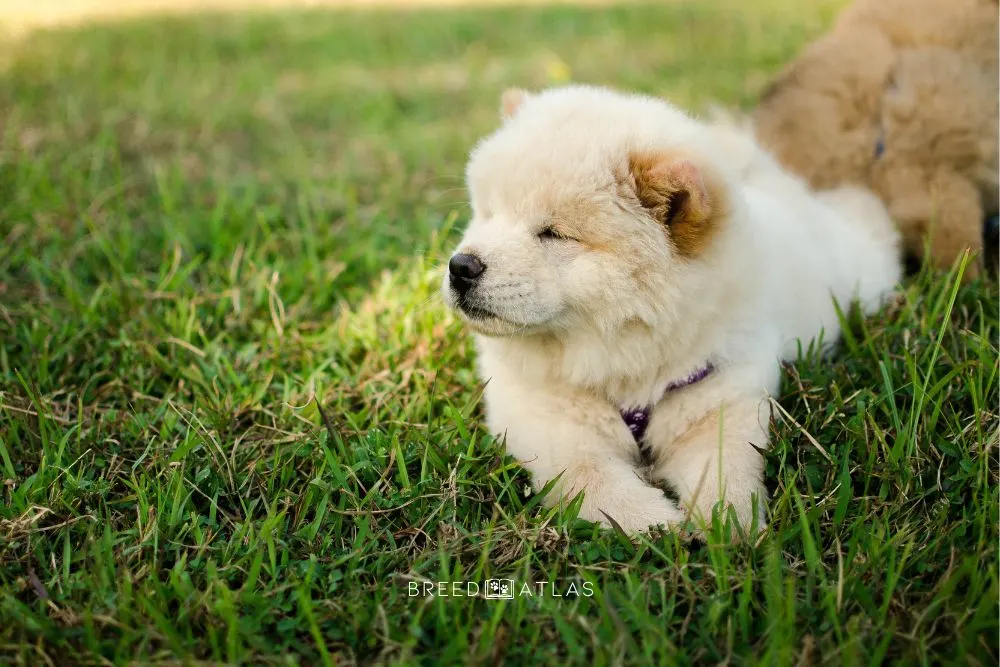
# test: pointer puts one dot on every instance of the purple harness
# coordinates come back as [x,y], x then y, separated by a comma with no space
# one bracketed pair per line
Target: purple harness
[637,419]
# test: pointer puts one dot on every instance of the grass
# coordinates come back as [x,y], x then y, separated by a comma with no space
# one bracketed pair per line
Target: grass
[237,425]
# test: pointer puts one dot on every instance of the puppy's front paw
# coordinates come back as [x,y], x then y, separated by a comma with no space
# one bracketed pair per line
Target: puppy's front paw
[639,511]
[717,464]
[747,502]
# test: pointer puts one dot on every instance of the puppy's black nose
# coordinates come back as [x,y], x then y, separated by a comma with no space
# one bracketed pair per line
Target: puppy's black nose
[464,270]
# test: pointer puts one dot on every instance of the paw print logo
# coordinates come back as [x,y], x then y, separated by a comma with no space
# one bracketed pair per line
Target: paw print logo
[499,589]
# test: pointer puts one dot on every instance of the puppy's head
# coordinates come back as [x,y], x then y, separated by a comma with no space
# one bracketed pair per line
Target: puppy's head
[589,208]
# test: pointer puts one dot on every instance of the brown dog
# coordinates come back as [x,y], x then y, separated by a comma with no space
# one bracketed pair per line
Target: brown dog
[900,96]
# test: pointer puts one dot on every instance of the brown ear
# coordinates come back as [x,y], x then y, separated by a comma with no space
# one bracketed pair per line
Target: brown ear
[511,101]
[675,193]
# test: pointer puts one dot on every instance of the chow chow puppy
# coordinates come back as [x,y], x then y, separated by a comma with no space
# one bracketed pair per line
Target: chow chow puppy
[633,277]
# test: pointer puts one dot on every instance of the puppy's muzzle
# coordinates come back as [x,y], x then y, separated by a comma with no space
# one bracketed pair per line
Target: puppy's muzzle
[464,271]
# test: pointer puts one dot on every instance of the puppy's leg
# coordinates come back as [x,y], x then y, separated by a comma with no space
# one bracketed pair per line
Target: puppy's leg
[716,457]
[557,431]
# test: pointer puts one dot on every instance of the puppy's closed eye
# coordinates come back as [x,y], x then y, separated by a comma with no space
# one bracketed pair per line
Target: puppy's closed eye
[552,234]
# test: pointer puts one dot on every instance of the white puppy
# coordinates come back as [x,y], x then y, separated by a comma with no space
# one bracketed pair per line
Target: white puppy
[633,277]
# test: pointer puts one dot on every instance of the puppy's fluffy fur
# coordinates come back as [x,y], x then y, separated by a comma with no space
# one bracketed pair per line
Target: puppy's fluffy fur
[625,245]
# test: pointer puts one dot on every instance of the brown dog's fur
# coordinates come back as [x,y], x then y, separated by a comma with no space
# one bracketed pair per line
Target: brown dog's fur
[921,77]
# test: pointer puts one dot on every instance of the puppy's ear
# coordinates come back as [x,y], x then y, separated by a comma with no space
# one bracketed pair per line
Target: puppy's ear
[675,193]
[511,101]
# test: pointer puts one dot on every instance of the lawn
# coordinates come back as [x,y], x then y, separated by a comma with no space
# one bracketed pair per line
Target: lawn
[237,425]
